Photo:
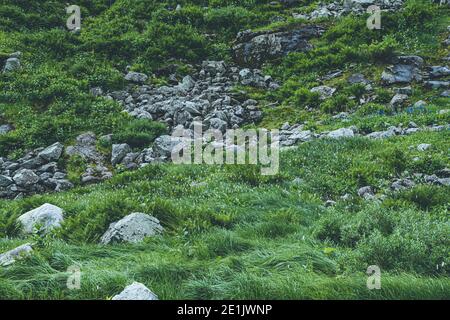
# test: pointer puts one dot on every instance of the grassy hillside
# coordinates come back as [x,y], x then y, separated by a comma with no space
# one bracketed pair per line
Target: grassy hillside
[230,233]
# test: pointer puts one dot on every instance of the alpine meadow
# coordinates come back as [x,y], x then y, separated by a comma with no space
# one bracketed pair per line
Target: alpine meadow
[337,185]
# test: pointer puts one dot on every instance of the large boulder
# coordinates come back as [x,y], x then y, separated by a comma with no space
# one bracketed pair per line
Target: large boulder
[254,48]
[136,291]
[12,256]
[46,217]
[133,228]
[405,70]
[25,178]
[52,153]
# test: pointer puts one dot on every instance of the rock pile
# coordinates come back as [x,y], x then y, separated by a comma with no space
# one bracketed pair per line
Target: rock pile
[206,96]
[337,9]
[36,172]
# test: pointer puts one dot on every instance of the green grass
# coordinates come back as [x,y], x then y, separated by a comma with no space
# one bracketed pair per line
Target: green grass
[236,240]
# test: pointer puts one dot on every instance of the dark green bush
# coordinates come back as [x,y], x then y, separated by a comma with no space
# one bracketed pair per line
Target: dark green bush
[138,133]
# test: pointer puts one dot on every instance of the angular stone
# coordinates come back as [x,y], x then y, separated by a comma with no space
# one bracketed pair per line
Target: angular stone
[25,178]
[133,228]
[136,291]
[46,217]
[12,256]
[52,153]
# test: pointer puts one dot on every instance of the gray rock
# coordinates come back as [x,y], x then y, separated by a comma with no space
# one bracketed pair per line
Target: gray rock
[439,71]
[119,151]
[406,71]
[254,48]
[46,217]
[134,228]
[136,77]
[398,100]
[136,291]
[357,78]
[423,146]
[12,64]
[437,84]
[187,84]
[85,147]
[25,178]
[341,133]
[402,184]
[5,128]
[214,67]
[12,256]
[52,153]
[325,92]
[164,145]
[366,193]
[5,181]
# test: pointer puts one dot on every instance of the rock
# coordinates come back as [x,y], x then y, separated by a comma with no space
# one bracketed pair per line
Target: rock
[5,128]
[25,178]
[5,181]
[214,67]
[444,181]
[366,193]
[406,71]
[357,78]
[187,84]
[341,133]
[322,12]
[402,184]
[52,153]
[431,179]
[254,48]
[12,64]
[85,147]
[136,77]
[437,84]
[423,146]
[12,256]
[119,151]
[136,291]
[419,104]
[134,228]
[330,203]
[325,92]
[443,173]
[446,94]
[398,100]
[383,134]
[164,145]
[302,136]
[218,124]
[46,217]
[439,71]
